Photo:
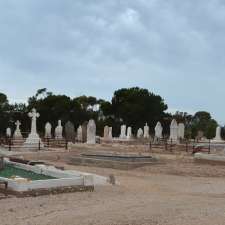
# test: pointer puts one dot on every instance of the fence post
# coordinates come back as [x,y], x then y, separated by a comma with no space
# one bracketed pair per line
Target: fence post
[10,147]
[39,145]
[150,145]
[186,145]
[166,147]
[66,145]
[48,142]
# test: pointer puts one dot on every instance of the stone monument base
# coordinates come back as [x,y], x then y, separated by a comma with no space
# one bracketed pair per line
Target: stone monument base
[33,143]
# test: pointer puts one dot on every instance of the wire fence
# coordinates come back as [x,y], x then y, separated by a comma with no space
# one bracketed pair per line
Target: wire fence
[12,144]
[163,144]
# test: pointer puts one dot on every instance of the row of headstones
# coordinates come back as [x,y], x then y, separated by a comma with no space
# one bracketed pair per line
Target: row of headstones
[176,131]
[90,128]
[48,128]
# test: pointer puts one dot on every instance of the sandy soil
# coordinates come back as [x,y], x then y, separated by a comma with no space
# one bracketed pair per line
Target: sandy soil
[176,192]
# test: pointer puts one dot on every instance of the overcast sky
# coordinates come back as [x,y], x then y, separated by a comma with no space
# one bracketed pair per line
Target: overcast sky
[174,48]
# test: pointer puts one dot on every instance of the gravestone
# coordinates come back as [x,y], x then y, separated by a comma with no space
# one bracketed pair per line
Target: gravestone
[140,133]
[48,130]
[129,133]
[17,133]
[91,132]
[70,131]
[158,131]
[106,132]
[174,131]
[84,131]
[110,133]
[79,134]
[218,134]
[146,131]
[33,142]
[181,130]
[59,130]
[123,132]
[8,132]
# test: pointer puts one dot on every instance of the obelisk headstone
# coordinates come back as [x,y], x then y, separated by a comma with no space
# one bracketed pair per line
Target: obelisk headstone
[146,131]
[91,132]
[174,131]
[59,131]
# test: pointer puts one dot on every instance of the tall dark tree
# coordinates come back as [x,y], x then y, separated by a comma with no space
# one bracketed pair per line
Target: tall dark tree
[202,121]
[136,106]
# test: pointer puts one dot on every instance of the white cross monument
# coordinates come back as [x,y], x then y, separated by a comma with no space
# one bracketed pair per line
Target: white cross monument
[17,133]
[33,142]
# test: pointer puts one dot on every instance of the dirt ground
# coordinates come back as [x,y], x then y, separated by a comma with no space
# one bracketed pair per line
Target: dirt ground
[175,192]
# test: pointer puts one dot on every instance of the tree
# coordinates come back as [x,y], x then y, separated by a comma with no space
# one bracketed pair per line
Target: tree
[202,121]
[136,106]
[3,100]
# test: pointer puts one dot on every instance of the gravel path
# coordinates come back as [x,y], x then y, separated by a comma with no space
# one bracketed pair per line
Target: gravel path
[177,192]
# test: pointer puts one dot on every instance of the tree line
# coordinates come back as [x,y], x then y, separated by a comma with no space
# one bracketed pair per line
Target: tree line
[131,106]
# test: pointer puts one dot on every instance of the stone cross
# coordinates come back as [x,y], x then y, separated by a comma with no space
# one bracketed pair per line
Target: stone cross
[17,133]
[17,123]
[33,115]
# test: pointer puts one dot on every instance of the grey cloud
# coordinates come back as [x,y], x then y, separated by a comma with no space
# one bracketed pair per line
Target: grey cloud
[173,47]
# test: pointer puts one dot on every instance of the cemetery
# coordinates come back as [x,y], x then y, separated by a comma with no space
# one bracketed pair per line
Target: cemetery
[88,172]
[103,173]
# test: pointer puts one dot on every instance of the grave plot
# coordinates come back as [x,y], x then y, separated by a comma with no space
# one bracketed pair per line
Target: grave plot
[27,180]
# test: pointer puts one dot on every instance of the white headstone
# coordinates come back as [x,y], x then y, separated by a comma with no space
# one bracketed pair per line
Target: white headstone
[91,132]
[123,132]
[181,130]
[106,132]
[140,133]
[146,131]
[59,130]
[8,132]
[173,130]
[218,134]
[48,130]
[158,131]
[79,134]
[17,133]
[33,142]
[129,133]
